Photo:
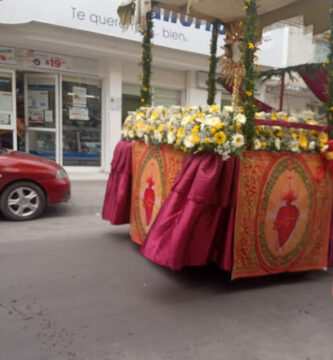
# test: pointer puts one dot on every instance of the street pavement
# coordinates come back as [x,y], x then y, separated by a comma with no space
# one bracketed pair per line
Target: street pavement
[73,287]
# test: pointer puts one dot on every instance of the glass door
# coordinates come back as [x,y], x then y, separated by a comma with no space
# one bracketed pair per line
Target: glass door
[8,130]
[81,121]
[41,99]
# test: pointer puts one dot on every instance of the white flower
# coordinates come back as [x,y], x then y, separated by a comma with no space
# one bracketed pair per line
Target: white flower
[293,119]
[213,121]
[139,132]
[131,134]
[228,109]
[146,139]
[277,143]
[240,118]
[171,137]
[276,128]
[294,145]
[312,145]
[238,140]
[188,142]
[125,132]
[323,148]
[260,115]
[158,136]
[308,114]
[257,144]
[186,120]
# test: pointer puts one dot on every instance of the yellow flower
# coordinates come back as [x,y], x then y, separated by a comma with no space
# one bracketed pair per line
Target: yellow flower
[245,7]
[328,36]
[195,129]
[251,45]
[142,100]
[323,138]
[220,137]
[261,129]
[154,115]
[238,125]
[303,141]
[140,113]
[200,148]
[231,127]
[181,132]
[160,128]
[274,117]
[207,140]
[219,126]
[196,139]
[270,132]
[279,133]
[294,135]
[264,144]
[170,127]
[192,118]
[248,93]
[213,130]
[331,108]
[178,141]
[199,115]
[255,58]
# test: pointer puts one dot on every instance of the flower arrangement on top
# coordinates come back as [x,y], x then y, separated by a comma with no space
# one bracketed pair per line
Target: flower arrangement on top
[196,129]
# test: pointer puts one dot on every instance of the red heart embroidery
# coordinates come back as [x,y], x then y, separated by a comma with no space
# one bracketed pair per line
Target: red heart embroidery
[149,200]
[286,219]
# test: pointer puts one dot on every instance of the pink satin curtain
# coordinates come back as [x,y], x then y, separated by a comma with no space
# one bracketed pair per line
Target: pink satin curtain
[195,224]
[317,83]
[117,200]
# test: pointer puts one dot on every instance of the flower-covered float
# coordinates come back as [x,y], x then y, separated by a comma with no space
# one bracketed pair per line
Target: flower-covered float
[247,189]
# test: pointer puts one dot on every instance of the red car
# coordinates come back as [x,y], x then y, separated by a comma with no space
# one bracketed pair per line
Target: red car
[28,183]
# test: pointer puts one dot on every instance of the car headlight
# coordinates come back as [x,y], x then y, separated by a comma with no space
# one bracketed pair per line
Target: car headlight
[61,174]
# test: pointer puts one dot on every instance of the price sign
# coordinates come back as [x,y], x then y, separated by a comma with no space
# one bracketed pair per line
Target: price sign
[47,61]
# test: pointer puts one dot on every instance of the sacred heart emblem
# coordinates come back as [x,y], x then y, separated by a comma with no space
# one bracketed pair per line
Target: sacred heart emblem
[286,218]
[149,200]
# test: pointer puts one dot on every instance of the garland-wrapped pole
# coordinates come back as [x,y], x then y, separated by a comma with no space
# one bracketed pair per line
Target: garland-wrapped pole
[330,74]
[250,39]
[211,80]
[146,93]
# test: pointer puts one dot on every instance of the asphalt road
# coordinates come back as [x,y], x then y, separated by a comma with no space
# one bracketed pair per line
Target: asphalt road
[74,287]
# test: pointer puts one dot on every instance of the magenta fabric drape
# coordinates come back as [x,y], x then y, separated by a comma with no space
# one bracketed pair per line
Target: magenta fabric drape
[195,224]
[317,83]
[117,200]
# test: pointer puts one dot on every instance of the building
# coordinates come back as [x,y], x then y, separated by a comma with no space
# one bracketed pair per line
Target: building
[69,74]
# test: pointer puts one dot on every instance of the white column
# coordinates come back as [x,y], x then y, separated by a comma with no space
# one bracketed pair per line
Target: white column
[111,126]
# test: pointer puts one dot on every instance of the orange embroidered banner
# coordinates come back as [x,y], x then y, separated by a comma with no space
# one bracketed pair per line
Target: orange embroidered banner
[154,172]
[283,214]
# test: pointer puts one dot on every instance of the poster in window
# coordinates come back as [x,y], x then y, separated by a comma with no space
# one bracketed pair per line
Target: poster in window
[78,113]
[36,116]
[5,118]
[79,96]
[38,100]
[48,116]
[6,102]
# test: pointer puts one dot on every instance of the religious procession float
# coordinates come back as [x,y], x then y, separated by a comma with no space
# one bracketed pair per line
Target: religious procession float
[246,186]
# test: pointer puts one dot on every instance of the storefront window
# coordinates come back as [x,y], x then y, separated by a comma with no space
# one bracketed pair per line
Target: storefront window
[6,99]
[42,143]
[81,112]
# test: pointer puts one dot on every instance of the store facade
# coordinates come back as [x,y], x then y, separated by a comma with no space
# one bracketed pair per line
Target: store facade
[68,76]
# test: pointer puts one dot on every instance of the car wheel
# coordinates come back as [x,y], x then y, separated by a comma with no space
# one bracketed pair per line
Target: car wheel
[22,201]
